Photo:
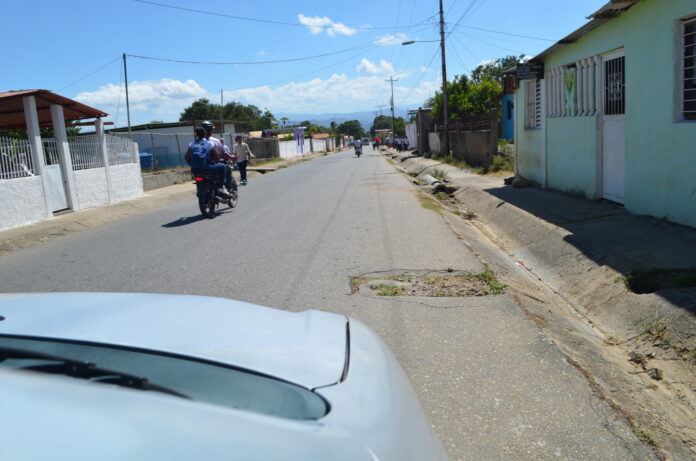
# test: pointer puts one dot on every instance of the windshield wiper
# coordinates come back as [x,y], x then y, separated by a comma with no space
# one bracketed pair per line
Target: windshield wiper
[83,370]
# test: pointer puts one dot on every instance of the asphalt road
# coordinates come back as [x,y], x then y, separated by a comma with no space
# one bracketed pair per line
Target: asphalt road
[493,386]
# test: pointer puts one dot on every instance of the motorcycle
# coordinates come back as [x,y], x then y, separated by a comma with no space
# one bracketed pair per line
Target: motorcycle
[208,196]
[358,151]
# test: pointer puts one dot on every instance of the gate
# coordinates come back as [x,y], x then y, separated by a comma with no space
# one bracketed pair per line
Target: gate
[57,198]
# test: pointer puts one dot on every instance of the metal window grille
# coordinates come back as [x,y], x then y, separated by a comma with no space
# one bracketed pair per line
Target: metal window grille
[84,152]
[15,159]
[689,96]
[532,114]
[614,86]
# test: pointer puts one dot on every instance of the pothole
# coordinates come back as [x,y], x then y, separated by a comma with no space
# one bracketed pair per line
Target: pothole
[427,283]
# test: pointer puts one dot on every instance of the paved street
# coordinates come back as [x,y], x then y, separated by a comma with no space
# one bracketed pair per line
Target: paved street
[492,384]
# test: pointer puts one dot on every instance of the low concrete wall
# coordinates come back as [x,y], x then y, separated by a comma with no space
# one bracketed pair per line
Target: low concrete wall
[22,202]
[157,180]
[474,147]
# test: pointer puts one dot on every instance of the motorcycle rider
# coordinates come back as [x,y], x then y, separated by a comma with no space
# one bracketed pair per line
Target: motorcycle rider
[357,144]
[202,155]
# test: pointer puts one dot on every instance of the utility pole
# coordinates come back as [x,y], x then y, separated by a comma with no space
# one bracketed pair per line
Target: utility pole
[380,108]
[125,77]
[392,80]
[222,116]
[445,115]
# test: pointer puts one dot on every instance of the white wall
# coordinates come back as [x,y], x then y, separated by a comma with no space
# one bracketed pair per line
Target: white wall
[289,149]
[126,182]
[22,202]
[90,188]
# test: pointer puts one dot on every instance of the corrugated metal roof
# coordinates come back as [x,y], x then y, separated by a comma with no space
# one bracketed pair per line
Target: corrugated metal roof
[609,11]
[12,108]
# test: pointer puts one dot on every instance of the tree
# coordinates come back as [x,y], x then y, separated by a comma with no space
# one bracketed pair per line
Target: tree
[284,120]
[467,97]
[493,70]
[384,122]
[203,109]
[351,128]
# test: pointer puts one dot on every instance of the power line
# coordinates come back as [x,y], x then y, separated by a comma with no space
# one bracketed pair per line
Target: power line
[240,63]
[91,73]
[267,21]
[502,33]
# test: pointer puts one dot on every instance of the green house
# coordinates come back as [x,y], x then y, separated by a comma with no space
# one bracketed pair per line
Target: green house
[610,110]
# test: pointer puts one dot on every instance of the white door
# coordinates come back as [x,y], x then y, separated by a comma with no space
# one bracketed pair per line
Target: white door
[614,127]
[57,198]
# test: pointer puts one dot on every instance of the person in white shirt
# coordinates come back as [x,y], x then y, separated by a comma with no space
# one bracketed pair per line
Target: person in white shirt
[208,127]
[244,155]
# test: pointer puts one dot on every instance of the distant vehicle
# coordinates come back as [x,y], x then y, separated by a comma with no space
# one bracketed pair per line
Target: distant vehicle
[366,140]
[109,376]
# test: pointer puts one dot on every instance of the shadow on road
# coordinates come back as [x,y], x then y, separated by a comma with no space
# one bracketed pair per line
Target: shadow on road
[192,219]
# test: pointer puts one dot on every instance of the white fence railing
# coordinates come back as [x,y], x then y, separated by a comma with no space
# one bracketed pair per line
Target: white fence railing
[120,150]
[15,158]
[84,152]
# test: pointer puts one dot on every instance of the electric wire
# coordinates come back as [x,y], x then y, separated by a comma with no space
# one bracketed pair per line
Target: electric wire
[267,21]
[245,63]
[492,44]
[502,33]
[91,73]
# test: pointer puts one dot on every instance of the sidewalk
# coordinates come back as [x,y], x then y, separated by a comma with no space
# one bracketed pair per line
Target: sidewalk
[582,250]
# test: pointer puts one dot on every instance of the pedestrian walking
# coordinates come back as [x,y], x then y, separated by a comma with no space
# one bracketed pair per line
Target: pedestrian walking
[244,155]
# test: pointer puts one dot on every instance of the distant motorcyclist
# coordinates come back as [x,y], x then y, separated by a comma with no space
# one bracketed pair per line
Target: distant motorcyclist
[357,144]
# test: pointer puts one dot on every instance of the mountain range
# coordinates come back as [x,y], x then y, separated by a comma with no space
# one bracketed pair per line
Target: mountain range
[365,117]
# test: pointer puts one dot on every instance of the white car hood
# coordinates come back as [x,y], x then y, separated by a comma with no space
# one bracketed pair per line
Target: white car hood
[307,348]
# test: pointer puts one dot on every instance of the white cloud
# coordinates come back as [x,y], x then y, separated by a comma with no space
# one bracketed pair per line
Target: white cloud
[368,67]
[164,98]
[424,69]
[391,39]
[261,53]
[337,93]
[318,24]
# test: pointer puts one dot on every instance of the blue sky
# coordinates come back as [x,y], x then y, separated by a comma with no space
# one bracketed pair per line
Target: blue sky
[73,47]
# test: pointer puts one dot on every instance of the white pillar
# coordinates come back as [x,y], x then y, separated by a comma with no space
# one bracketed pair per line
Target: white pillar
[561,92]
[552,98]
[101,146]
[599,89]
[64,152]
[580,87]
[31,119]
[549,93]
[591,86]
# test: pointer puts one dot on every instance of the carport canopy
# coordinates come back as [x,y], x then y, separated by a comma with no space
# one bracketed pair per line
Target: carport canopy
[12,115]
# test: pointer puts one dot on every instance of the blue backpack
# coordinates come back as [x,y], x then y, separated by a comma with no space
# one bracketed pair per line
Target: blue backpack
[200,154]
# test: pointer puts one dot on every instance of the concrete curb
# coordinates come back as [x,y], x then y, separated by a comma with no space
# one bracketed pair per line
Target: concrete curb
[579,248]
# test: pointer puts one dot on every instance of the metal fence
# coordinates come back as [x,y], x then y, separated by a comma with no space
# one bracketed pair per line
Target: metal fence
[84,152]
[50,148]
[119,150]
[15,158]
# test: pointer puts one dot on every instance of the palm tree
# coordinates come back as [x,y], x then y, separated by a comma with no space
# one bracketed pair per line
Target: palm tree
[284,120]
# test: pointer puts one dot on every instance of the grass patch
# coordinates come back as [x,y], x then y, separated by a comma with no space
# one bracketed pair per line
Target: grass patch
[388,290]
[659,279]
[456,212]
[412,174]
[642,434]
[428,204]
[268,161]
[658,329]
[438,173]
[282,166]
[441,194]
[494,286]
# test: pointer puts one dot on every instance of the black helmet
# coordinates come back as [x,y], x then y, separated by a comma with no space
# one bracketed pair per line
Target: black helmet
[207,125]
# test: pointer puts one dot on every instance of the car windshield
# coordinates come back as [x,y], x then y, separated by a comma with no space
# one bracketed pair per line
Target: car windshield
[200,380]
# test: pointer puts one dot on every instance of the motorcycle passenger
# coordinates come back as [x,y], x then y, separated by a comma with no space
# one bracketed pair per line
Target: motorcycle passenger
[208,127]
[202,156]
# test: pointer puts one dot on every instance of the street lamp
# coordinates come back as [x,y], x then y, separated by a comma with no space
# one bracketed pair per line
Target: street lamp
[445,115]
